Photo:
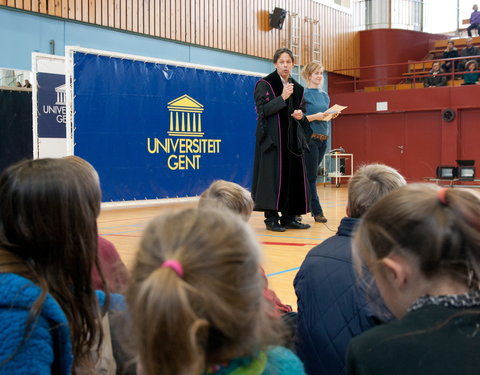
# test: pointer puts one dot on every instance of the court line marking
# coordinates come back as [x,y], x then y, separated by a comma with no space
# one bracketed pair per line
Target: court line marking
[122,226]
[284,271]
[119,233]
[297,238]
[102,221]
[288,243]
[262,242]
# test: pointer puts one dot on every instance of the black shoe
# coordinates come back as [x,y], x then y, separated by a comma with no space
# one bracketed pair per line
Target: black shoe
[274,226]
[294,224]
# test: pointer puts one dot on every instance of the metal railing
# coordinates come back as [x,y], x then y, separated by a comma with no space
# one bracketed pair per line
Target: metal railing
[412,76]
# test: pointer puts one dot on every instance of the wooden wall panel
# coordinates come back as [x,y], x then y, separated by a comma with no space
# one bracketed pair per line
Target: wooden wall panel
[239,26]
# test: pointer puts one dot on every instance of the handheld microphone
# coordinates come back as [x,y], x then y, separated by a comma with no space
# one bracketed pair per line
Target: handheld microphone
[290,100]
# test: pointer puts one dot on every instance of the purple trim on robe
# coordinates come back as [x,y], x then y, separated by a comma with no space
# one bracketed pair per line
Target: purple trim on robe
[279,148]
[304,169]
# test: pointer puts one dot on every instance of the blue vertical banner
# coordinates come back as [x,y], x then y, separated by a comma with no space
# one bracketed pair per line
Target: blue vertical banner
[154,130]
[51,105]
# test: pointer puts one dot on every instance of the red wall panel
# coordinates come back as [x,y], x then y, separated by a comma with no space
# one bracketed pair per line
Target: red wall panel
[423,139]
[469,135]
[351,134]
[386,139]
[388,46]
[410,142]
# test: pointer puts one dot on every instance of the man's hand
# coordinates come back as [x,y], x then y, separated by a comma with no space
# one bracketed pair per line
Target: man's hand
[287,91]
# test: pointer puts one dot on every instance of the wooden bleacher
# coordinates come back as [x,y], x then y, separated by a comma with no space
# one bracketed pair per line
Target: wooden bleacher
[421,68]
[441,45]
[464,28]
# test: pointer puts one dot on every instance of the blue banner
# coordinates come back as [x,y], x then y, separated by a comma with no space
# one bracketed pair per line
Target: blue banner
[158,131]
[51,105]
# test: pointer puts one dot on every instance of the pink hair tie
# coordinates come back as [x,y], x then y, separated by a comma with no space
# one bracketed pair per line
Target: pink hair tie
[175,265]
[442,196]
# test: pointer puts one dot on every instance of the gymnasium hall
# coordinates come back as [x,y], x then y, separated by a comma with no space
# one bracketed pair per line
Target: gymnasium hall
[162,98]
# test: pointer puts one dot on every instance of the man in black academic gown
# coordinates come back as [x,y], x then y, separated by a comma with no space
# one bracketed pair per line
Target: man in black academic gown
[279,178]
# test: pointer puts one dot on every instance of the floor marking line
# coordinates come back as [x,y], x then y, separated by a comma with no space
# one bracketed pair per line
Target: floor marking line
[288,243]
[119,235]
[280,272]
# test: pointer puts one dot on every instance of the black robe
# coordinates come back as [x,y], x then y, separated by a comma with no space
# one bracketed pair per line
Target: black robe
[279,176]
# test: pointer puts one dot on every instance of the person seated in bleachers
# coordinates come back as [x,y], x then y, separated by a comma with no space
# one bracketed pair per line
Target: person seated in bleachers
[422,244]
[197,302]
[469,50]
[50,318]
[332,307]
[474,21]
[435,78]
[450,53]
[471,75]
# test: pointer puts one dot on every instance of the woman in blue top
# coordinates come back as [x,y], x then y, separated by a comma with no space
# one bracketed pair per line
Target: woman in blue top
[316,103]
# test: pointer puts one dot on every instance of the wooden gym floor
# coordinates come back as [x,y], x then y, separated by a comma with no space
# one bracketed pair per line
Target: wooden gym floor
[283,252]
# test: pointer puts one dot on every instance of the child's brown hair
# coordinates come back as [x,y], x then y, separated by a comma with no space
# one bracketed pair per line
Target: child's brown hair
[440,228]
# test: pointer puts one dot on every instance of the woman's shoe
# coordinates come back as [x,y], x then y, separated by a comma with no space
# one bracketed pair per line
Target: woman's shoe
[320,219]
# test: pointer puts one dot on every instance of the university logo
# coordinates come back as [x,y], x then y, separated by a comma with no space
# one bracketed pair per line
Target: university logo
[186,145]
[60,91]
[185,117]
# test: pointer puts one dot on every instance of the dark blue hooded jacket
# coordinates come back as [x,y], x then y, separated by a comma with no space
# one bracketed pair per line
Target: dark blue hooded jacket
[332,304]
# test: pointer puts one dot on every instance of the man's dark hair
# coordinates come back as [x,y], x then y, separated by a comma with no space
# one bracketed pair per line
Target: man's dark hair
[278,53]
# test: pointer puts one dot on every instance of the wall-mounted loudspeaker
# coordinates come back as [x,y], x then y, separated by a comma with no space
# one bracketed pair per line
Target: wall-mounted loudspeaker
[277,18]
[448,115]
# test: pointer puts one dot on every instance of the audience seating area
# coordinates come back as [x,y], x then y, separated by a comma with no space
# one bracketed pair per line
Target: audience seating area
[421,68]
[440,45]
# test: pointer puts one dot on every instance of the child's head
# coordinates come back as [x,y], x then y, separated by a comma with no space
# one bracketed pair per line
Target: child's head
[196,296]
[48,215]
[419,237]
[226,194]
[82,163]
[369,184]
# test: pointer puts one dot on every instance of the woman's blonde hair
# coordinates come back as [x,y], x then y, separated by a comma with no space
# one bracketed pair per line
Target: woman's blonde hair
[440,229]
[310,68]
[215,311]
[226,194]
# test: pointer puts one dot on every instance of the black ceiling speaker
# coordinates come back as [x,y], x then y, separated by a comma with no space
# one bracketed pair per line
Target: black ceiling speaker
[277,18]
